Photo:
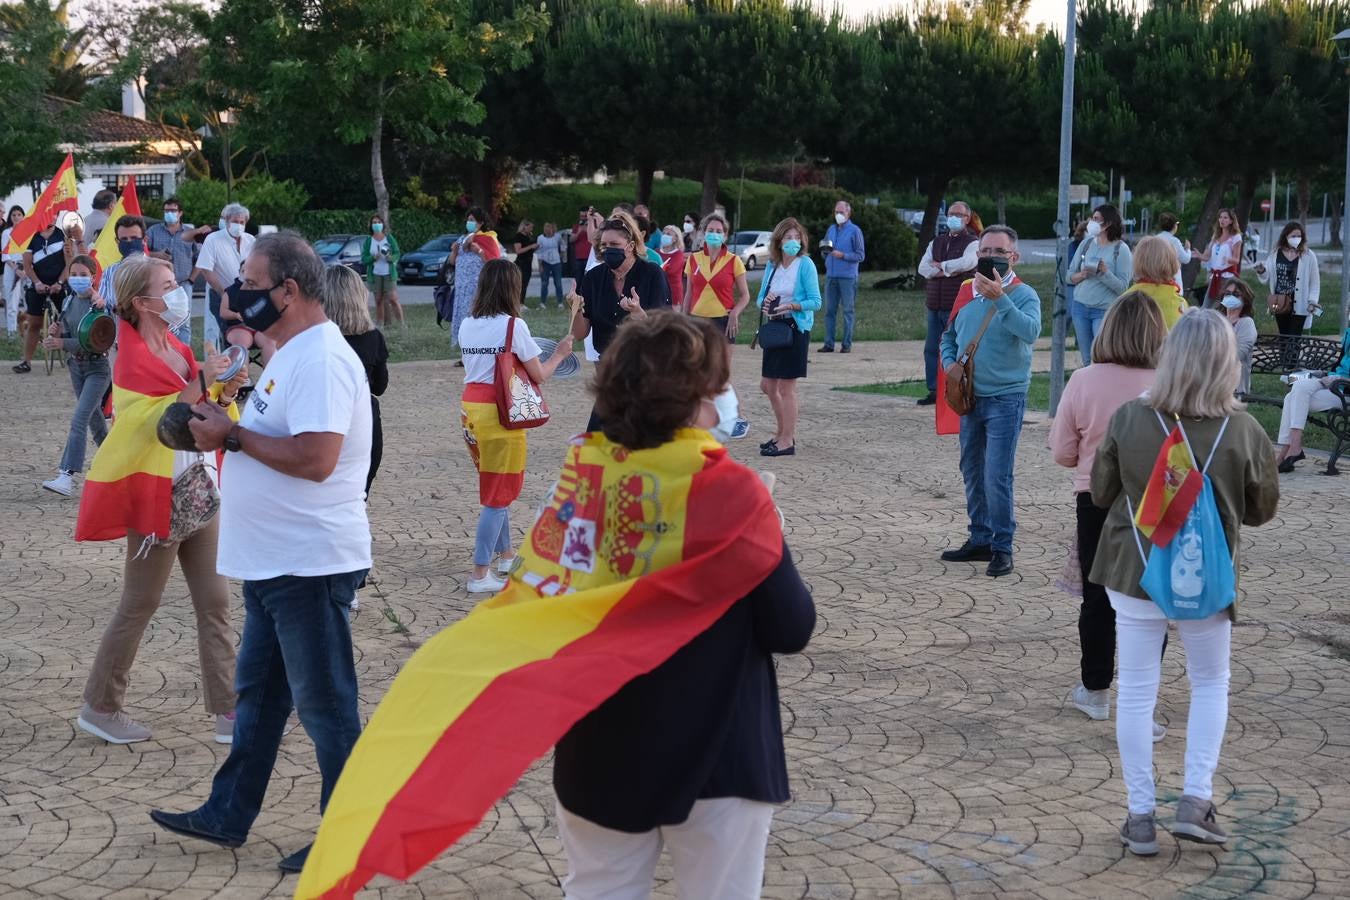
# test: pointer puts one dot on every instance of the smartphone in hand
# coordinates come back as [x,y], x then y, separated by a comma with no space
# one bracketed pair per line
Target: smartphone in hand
[992,268]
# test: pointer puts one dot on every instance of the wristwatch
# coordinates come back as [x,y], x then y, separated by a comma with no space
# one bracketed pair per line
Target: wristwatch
[232,439]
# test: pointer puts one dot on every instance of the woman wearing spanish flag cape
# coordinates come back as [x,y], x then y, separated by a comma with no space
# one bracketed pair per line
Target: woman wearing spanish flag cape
[128,495]
[636,635]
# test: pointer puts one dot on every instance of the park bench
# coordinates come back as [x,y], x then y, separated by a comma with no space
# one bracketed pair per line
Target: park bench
[1281,354]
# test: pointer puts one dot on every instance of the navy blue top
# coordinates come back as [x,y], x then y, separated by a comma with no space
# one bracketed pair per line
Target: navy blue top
[703,724]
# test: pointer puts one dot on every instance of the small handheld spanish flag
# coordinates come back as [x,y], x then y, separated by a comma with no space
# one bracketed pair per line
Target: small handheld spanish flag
[1172,490]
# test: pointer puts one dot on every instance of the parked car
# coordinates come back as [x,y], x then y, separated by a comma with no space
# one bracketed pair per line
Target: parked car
[423,265]
[341,250]
[913,218]
[751,246]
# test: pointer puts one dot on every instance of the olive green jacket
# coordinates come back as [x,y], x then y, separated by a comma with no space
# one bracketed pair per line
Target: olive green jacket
[1243,474]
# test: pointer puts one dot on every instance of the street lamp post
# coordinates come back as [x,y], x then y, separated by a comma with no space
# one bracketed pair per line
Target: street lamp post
[1343,53]
[1059,320]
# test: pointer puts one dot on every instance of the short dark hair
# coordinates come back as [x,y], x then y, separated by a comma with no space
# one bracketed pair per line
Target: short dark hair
[1112,225]
[173,201]
[290,256]
[625,206]
[1167,221]
[644,225]
[498,290]
[654,374]
[484,223]
[1244,291]
[86,261]
[129,222]
[104,199]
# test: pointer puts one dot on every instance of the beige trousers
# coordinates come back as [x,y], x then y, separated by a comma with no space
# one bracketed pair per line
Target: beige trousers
[142,586]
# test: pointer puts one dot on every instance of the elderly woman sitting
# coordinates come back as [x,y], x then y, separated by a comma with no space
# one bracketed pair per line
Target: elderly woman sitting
[1305,396]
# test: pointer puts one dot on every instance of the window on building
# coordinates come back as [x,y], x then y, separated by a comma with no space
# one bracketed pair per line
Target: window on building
[147,185]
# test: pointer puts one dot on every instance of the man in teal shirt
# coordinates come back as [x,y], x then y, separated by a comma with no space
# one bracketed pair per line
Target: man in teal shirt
[989,432]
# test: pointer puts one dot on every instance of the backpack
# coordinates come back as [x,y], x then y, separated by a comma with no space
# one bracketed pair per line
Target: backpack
[1190,575]
[444,296]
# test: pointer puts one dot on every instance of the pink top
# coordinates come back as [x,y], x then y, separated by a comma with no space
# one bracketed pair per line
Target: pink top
[1090,399]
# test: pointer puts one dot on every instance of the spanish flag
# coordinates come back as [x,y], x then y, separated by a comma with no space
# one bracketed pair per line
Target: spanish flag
[130,483]
[1172,490]
[105,248]
[61,195]
[634,554]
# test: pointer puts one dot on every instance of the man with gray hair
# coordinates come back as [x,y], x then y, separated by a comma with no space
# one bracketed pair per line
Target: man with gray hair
[844,251]
[220,262]
[294,531]
[1003,320]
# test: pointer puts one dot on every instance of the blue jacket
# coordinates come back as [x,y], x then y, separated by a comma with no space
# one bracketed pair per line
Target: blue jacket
[807,292]
[847,238]
[1003,360]
[1342,370]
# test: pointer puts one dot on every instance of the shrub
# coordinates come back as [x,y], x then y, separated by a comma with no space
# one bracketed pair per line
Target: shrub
[672,198]
[890,243]
[412,227]
[269,201]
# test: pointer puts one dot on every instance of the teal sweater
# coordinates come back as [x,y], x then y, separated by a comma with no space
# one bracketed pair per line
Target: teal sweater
[1003,361]
[807,292]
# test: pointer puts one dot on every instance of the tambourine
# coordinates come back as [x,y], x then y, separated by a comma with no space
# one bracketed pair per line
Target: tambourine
[238,359]
[567,368]
[97,332]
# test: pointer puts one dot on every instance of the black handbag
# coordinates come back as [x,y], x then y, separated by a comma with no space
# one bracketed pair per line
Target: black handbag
[774,334]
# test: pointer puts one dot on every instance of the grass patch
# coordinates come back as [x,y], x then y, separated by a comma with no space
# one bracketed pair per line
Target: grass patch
[1038,398]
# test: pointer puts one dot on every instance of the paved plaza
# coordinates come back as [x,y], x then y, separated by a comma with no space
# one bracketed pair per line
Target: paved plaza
[929,750]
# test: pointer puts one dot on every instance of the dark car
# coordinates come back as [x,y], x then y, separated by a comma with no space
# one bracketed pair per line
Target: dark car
[341,250]
[423,265]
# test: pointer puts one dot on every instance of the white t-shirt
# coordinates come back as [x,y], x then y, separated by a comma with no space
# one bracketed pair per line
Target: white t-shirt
[480,340]
[273,524]
[380,264]
[784,282]
[220,255]
[4,247]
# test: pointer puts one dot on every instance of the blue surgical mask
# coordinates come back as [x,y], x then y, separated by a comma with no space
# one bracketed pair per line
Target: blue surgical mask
[792,248]
[470,226]
[954,223]
[666,240]
[80,284]
[714,239]
[170,217]
[377,227]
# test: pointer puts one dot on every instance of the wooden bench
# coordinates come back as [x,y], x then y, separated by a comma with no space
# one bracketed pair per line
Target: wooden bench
[1281,354]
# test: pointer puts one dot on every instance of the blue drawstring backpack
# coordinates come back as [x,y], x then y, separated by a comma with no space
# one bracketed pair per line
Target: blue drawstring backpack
[1192,576]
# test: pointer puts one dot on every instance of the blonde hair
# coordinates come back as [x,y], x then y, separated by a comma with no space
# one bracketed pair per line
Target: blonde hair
[1198,369]
[1131,334]
[344,300]
[133,279]
[677,236]
[1155,261]
[780,233]
[714,217]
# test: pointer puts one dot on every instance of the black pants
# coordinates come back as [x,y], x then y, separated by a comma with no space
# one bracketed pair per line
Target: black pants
[1290,323]
[525,271]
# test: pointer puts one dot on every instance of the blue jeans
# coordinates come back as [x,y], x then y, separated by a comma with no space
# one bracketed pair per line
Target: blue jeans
[90,378]
[547,271]
[937,323]
[989,435]
[839,292]
[1087,321]
[296,650]
[493,535]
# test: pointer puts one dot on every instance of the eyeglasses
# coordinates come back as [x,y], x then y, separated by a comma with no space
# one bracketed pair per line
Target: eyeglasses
[995,251]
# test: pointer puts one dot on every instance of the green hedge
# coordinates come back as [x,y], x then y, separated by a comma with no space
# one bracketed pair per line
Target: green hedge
[890,243]
[412,227]
[269,201]
[672,199]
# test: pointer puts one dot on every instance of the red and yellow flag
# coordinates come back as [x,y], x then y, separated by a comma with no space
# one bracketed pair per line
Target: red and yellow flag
[130,483]
[61,195]
[1172,490]
[105,248]
[635,554]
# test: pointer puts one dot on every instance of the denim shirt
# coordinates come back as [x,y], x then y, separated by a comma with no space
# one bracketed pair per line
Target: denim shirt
[848,239]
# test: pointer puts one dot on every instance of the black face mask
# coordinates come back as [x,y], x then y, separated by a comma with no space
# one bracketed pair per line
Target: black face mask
[254,306]
[613,256]
[131,246]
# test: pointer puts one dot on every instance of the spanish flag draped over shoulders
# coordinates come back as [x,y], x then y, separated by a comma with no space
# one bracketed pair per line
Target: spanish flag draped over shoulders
[1171,492]
[130,483]
[633,555]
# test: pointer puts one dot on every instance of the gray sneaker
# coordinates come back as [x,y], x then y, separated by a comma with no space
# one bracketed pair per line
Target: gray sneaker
[1094,704]
[114,727]
[1197,820]
[225,729]
[1140,834]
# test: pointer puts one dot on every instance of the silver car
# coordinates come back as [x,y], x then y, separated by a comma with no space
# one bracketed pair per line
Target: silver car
[751,246]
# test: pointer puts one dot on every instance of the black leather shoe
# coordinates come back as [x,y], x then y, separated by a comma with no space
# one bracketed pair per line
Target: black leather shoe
[826,349]
[194,826]
[928,400]
[771,442]
[1000,564]
[846,350]
[295,862]
[1287,464]
[776,450]
[968,552]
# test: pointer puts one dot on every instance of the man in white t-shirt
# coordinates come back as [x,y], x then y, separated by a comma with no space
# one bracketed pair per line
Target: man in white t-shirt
[294,530]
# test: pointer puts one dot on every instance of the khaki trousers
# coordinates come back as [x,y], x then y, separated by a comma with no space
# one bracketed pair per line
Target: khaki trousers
[142,586]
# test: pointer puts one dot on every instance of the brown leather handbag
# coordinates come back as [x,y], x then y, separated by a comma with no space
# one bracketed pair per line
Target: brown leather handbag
[1280,304]
[961,387]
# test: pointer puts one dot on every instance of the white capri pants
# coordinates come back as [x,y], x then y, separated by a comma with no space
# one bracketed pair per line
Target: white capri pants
[1304,397]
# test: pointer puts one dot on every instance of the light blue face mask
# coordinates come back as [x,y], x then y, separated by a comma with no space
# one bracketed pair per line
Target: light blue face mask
[470,226]
[954,223]
[792,248]
[714,239]
[80,284]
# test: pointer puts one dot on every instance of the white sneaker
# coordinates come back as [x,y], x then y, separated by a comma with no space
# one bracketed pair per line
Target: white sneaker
[1094,704]
[225,729]
[63,484]
[488,584]
[1159,731]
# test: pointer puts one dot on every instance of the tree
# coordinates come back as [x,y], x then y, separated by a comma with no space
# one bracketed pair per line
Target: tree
[298,69]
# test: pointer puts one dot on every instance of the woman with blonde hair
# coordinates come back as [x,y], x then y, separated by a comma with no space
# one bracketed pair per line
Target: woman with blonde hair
[1223,256]
[1155,268]
[716,286]
[130,494]
[1192,392]
[344,302]
[790,291]
[671,252]
[1123,356]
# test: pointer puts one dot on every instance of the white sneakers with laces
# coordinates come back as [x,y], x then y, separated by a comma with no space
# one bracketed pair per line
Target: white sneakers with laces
[63,483]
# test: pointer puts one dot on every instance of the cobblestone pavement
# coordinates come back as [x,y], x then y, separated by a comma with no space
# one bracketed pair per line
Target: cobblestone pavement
[929,749]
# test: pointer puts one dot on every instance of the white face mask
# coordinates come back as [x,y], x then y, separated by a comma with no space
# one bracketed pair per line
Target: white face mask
[688,227]
[1094,228]
[840,218]
[177,307]
[236,229]
[1295,240]
[1231,302]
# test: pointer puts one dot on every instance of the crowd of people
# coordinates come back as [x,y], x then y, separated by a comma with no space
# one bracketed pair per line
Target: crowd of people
[658,309]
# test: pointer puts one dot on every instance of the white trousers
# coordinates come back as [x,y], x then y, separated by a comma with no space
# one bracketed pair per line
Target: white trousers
[1304,397]
[1140,628]
[718,854]
[10,282]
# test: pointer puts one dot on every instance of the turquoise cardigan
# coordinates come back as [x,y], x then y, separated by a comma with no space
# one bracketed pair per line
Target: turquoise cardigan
[807,292]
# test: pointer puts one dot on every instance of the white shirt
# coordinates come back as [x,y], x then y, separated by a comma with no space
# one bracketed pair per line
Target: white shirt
[550,248]
[272,524]
[480,340]
[1183,255]
[966,262]
[220,255]
[4,247]
[380,266]
[784,281]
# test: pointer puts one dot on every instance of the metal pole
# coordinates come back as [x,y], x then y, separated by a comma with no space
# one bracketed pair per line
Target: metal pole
[1059,318]
[1345,245]
[1326,223]
[1270,214]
